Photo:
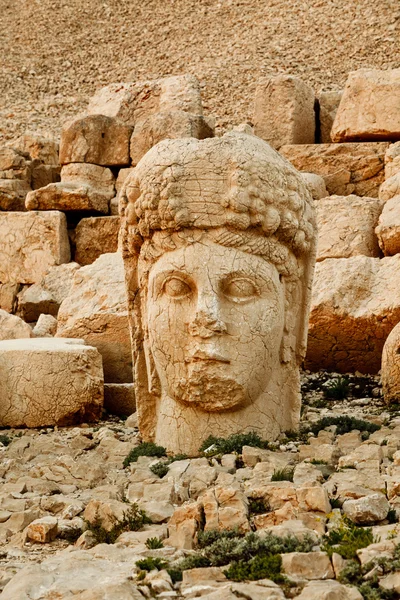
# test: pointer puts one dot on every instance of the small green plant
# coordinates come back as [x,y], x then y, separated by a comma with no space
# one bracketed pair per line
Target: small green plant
[133,520]
[234,443]
[344,424]
[154,543]
[258,506]
[315,461]
[283,474]
[145,449]
[259,567]
[175,574]
[353,574]
[160,469]
[335,502]
[4,439]
[347,538]
[151,564]
[337,389]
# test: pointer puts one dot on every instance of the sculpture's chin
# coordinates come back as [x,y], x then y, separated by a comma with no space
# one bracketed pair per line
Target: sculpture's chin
[211,393]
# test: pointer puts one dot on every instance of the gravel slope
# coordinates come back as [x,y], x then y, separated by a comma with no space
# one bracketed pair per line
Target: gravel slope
[55,54]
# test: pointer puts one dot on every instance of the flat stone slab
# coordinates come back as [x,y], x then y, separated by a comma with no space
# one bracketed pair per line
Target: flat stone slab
[48,381]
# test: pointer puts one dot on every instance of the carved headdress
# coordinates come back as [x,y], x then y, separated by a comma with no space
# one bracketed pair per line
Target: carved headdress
[236,191]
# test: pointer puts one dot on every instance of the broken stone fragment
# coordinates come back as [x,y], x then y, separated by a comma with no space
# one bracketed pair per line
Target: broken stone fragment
[284,111]
[392,160]
[38,147]
[307,565]
[316,184]
[95,139]
[388,228]
[390,188]
[32,242]
[62,382]
[369,109]
[367,510]
[95,236]
[13,328]
[328,105]
[46,326]
[328,590]
[42,530]
[356,168]
[13,193]
[346,226]
[391,366]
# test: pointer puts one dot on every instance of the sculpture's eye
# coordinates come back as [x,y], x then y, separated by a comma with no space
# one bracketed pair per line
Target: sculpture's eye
[240,289]
[175,287]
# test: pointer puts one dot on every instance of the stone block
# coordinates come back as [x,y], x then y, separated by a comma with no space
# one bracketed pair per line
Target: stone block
[367,510]
[316,185]
[46,326]
[388,228]
[42,530]
[47,295]
[42,174]
[31,243]
[356,168]
[96,139]
[13,193]
[284,111]
[392,160]
[38,147]
[83,187]
[346,226]
[119,398]
[391,367]
[390,188]
[95,236]
[49,382]
[369,108]
[329,590]
[8,296]
[328,105]
[131,102]
[355,304]
[166,125]
[12,327]
[307,565]
[14,165]
[96,311]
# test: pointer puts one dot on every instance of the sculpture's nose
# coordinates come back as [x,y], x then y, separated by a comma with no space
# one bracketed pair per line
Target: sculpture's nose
[207,319]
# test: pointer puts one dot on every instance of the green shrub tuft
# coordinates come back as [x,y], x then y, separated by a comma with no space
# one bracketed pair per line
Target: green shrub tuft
[133,520]
[160,469]
[151,564]
[346,539]
[145,449]
[259,567]
[344,424]
[337,389]
[233,443]
[154,543]
[283,474]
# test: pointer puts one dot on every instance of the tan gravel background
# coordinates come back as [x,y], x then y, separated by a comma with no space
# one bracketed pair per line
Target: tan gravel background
[55,54]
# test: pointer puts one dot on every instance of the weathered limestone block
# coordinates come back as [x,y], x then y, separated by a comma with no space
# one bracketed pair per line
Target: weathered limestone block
[38,147]
[184,525]
[46,326]
[328,105]
[346,226]
[42,530]
[42,174]
[196,214]
[8,296]
[49,382]
[96,139]
[14,165]
[388,228]
[316,184]
[12,327]
[225,508]
[31,243]
[284,111]
[83,187]
[47,295]
[391,367]
[96,311]
[367,510]
[307,565]
[392,160]
[390,188]
[355,305]
[369,108]
[13,193]
[346,168]
[131,102]
[166,125]
[119,398]
[328,590]
[95,236]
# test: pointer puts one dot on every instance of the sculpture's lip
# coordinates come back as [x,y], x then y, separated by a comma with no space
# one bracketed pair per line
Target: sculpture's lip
[207,355]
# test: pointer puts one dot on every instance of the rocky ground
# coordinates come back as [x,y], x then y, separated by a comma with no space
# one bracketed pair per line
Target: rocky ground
[56,54]
[71,502]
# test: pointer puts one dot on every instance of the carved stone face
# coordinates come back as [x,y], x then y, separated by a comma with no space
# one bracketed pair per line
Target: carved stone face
[215,318]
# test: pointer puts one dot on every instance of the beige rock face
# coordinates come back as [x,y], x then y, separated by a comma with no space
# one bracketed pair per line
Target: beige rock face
[307,565]
[369,108]
[96,311]
[38,147]
[8,296]
[166,125]
[46,326]
[284,111]
[328,105]
[388,229]
[390,188]
[391,366]
[62,382]
[209,361]
[47,295]
[96,139]
[31,243]
[42,530]
[346,226]
[82,187]
[95,236]
[328,590]
[316,184]
[13,193]
[392,160]
[346,168]
[12,327]
[131,102]
[355,305]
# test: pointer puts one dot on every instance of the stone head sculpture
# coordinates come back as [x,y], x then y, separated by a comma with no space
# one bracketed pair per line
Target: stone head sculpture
[219,250]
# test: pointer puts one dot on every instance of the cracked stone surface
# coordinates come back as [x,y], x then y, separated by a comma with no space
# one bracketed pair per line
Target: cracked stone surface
[223,259]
